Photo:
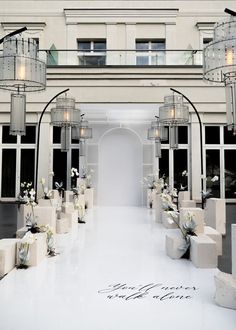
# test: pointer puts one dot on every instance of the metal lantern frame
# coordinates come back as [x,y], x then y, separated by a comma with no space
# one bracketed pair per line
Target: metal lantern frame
[219,63]
[157,133]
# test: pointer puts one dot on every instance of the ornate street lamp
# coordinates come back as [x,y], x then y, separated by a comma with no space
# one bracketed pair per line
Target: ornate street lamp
[21,71]
[219,63]
[157,133]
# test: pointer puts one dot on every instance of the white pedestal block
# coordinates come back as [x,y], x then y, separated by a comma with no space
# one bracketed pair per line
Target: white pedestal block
[88,196]
[55,194]
[167,221]
[158,208]
[20,233]
[24,211]
[67,207]
[44,202]
[45,216]
[225,294]
[188,203]
[233,248]
[37,250]
[203,251]
[183,195]
[215,215]
[72,218]
[63,226]
[174,244]
[198,216]
[68,196]
[216,236]
[7,255]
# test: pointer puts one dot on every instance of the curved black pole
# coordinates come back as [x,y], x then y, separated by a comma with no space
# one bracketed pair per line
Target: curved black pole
[201,143]
[38,137]
[13,34]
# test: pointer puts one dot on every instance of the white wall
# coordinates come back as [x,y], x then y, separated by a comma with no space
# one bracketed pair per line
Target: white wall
[120,169]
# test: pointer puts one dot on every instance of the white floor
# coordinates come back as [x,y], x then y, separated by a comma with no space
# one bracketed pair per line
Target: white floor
[113,274]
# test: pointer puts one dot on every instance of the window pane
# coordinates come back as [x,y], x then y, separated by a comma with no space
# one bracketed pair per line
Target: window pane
[212,134]
[6,137]
[230,174]
[75,158]
[229,137]
[213,169]
[84,45]
[8,172]
[56,134]
[142,60]
[30,136]
[142,45]
[27,165]
[99,45]
[183,134]
[158,44]
[180,165]
[164,165]
[59,167]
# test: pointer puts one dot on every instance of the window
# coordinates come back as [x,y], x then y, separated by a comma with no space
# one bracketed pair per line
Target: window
[213,169]
[92,52]
[150,52]
[6,137]
[212,134]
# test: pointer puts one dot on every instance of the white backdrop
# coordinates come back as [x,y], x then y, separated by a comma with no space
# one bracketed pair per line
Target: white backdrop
[120,169]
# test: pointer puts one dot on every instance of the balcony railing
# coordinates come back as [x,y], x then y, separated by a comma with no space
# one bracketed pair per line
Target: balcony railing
[131,58]
[123,58]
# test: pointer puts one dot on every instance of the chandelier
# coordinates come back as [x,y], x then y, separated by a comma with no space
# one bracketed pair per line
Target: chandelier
[173,113]
[65,115]
[157,133]
[219,63]
[21,71]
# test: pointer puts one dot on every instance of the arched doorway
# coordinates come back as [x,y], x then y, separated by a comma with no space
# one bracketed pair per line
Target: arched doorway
[120,169]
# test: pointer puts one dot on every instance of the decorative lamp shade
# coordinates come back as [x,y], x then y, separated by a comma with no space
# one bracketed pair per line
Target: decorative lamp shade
[219,56]
[157,131]
[17,116]
[174,137]
[65,138]
[21,69]
[65,113]
[158,148]
[173,112]
[85,132]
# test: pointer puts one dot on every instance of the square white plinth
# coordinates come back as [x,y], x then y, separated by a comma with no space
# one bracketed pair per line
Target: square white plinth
[174,244]
[158,208]
[88,196]
[37,250]
[7,255]
[198,216]
[188,203]
[44,202]
[183,195]
[216,236]
[24,211]
[225,294]
[67,207]
[63,226]
[72,218]
[68,196]
[168,221]
[203,251]
[215,215]
[45,216]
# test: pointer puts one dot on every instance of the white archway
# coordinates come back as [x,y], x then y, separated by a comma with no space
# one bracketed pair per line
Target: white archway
[120,168]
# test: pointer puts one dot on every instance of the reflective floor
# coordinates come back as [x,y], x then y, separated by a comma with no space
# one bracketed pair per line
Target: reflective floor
[112,274]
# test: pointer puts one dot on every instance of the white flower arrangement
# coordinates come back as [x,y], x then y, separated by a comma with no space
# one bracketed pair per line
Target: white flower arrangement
[74,172]
[47,193]
[215,178]
[23,252]
[50,239]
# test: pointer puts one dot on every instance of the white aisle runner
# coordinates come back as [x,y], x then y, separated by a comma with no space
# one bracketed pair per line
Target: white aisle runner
[112,274]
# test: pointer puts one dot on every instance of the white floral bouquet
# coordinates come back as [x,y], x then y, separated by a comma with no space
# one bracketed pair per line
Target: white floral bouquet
[74,175]
[50,239]
[47,193]
[24,250]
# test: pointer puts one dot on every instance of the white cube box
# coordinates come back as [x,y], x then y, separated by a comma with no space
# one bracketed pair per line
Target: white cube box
[24,211]
[175,244]
[72,217]
[44,202]
[215,214]
[62,226]
[37,250]
[68,196]
[198,217]
[45,216]
[7,255]
[225,294]
[67,207]
[158,208]
[168,221]
[88,196]
[203,252]
[188,203]
[20,233]
[216,236]
[183,195]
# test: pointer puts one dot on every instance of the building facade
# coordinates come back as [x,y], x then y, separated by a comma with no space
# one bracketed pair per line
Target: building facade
[119,59]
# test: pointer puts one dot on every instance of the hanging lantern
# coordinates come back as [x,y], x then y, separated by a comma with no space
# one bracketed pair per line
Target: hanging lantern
[21,71]
[173,112]
[157,132]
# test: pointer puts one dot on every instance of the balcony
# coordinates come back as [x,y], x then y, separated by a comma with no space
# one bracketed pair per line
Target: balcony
[122,58]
